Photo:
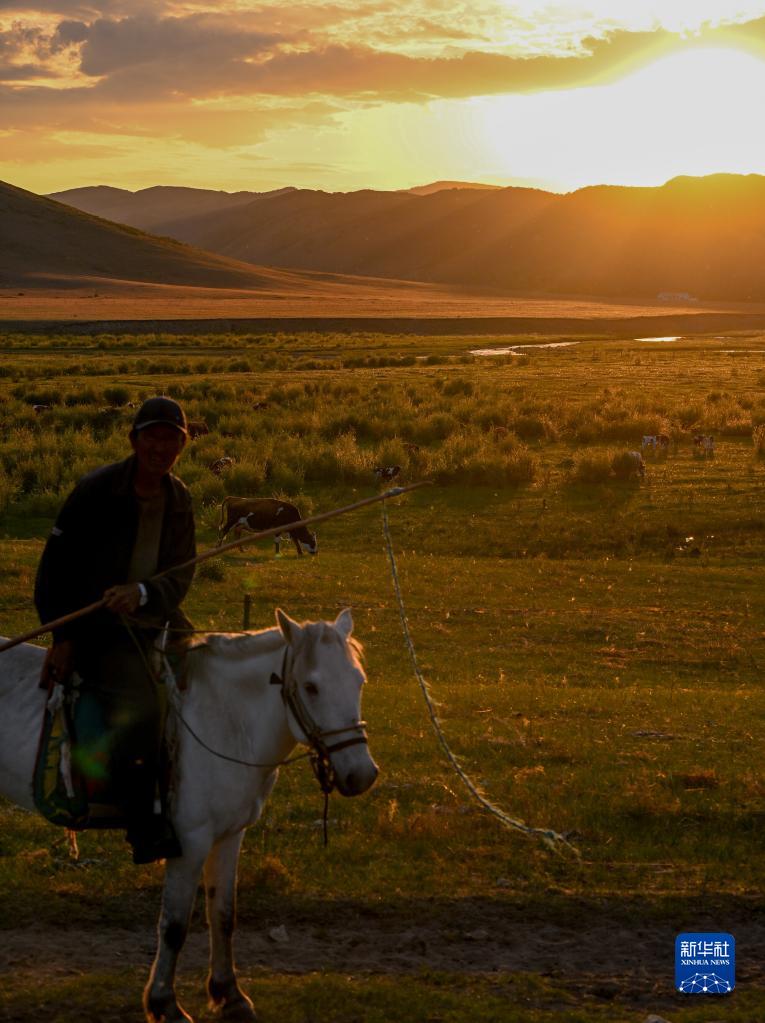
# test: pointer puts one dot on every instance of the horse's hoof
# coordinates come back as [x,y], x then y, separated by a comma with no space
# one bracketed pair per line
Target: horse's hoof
[240,1014]
[239,1011]
[166,1012]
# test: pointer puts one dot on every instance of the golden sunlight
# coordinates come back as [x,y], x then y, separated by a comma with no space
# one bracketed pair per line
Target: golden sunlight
[673,15]
[689,113]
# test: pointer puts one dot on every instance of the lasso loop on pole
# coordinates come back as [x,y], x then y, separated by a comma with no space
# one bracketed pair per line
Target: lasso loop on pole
[552,839]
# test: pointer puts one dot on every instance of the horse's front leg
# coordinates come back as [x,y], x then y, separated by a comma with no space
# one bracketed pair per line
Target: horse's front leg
[220,890]
[181,881]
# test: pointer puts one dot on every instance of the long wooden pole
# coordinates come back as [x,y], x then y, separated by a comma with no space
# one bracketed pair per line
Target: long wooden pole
[215,552]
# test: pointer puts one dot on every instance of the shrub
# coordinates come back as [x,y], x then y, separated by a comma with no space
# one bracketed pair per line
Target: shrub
[7,491]
[688,416]
[457,385]
[437,426]
[213,570]
[208,491]
[287,477]
[532,427]
[245,478]
[758,438]
[117,395]
[592,469]
[623,465]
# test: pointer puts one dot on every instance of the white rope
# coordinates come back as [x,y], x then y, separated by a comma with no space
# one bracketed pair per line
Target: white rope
[552,839]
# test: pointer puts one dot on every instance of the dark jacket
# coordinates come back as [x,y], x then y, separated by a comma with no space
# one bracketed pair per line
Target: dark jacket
[90,547]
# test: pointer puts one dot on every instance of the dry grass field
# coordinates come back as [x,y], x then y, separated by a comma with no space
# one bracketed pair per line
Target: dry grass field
[594,646]
[333,297]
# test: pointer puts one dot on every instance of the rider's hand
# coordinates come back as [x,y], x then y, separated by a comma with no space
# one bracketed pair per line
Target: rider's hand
[58,663]
[123,599]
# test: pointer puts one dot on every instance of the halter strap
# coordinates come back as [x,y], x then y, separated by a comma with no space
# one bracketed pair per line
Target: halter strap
[320,759]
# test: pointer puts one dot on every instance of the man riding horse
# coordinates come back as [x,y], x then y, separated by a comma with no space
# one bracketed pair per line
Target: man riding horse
[121,525]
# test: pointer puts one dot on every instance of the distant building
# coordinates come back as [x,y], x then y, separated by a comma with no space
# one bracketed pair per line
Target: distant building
[676,296]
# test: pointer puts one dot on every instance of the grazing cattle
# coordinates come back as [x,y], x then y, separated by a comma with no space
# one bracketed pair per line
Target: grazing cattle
[41,408]
[650,441]
[386,473]
[704,444]
[197,428]
[220,464]
[258,406]
[411,449]
[638,465]
[259,513]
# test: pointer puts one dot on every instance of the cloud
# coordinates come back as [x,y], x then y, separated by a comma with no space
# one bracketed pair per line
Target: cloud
[78,9]
[196,41]
[33,149]
[230,75]
[37,110]
[69,33]
[362,73]
[151,57]
[205,55]
[23,72]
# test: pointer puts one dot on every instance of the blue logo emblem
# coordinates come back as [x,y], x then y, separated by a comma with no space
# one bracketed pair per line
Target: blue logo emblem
[705,963]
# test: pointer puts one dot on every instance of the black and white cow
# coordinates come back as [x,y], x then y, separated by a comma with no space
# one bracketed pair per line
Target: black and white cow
[259,513]
[704,444]
[219,466]
[386,473]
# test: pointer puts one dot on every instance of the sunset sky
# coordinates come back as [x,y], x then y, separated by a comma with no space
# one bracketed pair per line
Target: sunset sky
[345,94]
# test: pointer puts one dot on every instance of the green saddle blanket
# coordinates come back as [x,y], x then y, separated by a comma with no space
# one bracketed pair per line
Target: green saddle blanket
[72,769]
[72,781]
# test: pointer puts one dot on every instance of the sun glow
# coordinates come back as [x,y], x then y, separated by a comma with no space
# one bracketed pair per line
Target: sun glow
[689,113]
[673,15]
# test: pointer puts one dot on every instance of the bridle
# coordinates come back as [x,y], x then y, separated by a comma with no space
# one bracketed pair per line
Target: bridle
[321,760]
[319,751]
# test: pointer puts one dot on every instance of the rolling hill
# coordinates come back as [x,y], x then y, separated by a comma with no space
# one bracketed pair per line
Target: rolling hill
[58,263]
[701,236]
[152,209]
[46,243]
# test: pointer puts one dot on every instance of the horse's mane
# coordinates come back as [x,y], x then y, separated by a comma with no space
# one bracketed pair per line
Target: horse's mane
[238,645]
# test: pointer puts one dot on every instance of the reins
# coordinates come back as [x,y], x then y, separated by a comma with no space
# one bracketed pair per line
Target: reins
[319,752]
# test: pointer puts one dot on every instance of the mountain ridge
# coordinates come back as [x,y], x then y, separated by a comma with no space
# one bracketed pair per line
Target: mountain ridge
[703,237]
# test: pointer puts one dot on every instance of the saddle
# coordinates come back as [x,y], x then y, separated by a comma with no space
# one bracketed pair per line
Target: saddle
[72,782]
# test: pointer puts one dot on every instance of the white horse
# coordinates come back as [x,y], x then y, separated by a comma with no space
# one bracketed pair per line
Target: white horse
[233,706]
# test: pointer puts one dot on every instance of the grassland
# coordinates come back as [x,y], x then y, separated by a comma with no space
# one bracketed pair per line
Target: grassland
[316,296]
[596,669]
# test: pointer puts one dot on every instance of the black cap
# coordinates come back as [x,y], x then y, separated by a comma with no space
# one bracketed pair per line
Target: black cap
[160,410]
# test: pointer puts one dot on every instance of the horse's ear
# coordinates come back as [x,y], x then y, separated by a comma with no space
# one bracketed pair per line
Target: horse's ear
[289,628]
[344,623]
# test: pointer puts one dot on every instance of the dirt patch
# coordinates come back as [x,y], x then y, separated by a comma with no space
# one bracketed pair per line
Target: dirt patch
[597,953]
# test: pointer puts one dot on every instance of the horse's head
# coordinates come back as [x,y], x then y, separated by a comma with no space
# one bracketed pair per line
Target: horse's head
[322,682]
